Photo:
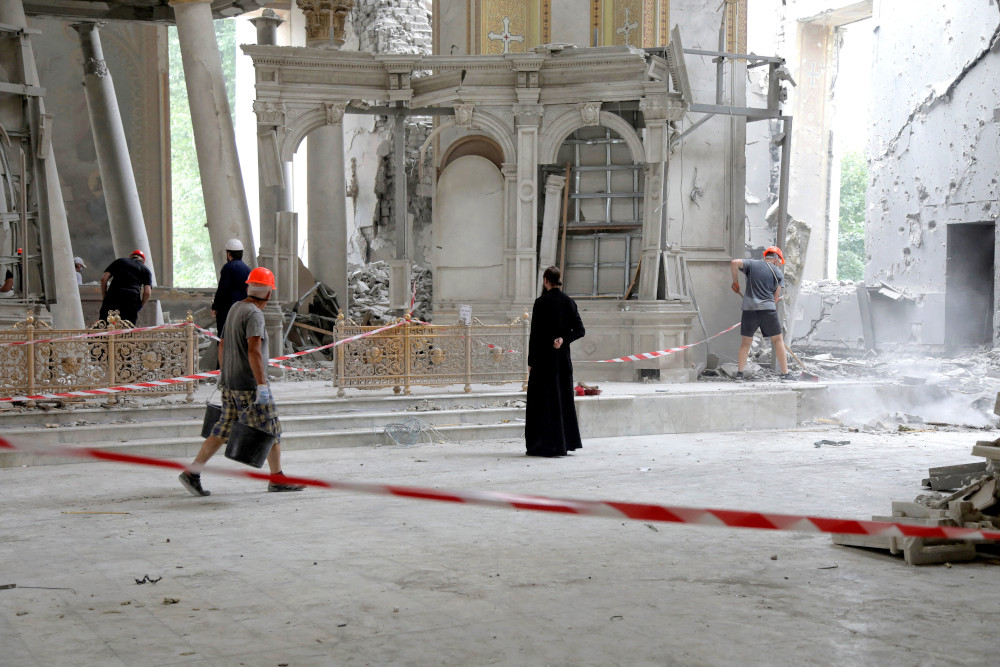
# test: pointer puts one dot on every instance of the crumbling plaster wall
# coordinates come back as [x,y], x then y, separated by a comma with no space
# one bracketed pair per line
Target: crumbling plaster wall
[934,142]
[385,26]
[934,148]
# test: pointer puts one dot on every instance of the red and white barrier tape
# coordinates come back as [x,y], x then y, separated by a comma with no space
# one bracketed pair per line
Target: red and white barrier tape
[653,355]
[96,334]
[182,378]
[209,334]
[718,518]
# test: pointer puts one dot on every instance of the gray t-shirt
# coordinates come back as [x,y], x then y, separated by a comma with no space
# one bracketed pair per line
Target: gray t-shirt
[245,320]
[763,280]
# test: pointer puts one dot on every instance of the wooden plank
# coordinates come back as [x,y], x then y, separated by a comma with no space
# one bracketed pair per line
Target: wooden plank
[312,328]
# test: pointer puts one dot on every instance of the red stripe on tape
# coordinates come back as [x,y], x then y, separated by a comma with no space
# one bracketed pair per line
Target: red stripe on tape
[642,356]
[633,511]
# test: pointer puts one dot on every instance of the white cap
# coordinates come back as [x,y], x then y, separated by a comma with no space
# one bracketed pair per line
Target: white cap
[79,260]
[234,244]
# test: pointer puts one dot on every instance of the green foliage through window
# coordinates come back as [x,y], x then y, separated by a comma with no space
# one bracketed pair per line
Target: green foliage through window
[193,264]
[851,241]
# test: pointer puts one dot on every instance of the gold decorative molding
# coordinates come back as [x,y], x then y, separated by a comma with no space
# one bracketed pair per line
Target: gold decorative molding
[512,26]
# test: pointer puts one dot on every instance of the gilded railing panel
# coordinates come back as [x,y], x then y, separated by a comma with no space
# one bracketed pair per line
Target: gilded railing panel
[46,363]
[419,354]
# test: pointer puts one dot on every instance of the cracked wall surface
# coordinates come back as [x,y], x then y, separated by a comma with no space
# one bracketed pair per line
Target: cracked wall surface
[935,136]
[934,143]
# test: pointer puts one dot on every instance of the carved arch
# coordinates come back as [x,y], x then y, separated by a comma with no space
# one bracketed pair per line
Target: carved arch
[498,131]
[296,129]
[559,128]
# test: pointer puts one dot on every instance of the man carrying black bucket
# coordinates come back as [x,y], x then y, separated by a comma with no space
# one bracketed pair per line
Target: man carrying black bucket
[246,396]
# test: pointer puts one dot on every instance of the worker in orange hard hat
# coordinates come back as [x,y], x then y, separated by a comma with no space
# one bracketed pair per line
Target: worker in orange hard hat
[126,286]
[246,395]
[760,305]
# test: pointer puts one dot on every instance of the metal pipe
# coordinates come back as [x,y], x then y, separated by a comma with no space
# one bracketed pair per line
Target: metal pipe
[786,158]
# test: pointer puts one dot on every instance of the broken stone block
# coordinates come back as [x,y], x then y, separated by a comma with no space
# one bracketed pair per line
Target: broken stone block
[947,478]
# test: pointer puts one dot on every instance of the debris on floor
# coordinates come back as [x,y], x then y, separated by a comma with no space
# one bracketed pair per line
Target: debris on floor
[410,431]
[976,505]
[369,286]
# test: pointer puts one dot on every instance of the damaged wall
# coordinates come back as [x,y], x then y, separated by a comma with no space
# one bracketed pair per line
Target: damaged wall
[934,148]
[386,26]
[706,180]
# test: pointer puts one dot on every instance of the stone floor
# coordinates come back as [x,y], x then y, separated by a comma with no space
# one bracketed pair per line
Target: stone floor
[336,578]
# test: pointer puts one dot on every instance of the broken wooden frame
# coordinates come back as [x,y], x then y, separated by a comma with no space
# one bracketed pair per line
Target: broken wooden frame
[430,355]
[41,360]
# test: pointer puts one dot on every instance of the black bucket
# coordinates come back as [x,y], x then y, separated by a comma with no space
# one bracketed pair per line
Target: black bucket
[249,445]
[212,414]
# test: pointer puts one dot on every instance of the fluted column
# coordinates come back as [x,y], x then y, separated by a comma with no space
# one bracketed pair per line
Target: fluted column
[121,196]
[214,136]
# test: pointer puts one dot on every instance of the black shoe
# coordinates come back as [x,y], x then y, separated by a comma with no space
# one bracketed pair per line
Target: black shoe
[740,377]
[193,484]
[279,487]
[786,377]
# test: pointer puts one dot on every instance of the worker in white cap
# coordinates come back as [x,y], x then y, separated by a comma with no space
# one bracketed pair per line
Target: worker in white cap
[78,263]
[232,283]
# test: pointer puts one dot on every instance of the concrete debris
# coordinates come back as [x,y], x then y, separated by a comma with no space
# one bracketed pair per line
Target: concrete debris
[831,443]
[976,505]
[369,286]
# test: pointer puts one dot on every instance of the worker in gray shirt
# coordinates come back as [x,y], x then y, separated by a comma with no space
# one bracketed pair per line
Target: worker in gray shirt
[760,305]
[246,395]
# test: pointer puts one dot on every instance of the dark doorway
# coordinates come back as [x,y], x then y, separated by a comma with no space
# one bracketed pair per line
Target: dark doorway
[969,285]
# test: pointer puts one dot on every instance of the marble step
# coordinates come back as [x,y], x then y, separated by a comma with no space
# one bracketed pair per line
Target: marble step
[185,448]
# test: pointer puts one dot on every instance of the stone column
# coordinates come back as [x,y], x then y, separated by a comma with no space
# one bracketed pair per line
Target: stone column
[327,204]
[270,198]
[128,228]
[509,171]
[67,312]
[214,136]
[326,185]
[547,248]
[528,118]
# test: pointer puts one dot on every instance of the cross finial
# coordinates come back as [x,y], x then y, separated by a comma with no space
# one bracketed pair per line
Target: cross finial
[505,36]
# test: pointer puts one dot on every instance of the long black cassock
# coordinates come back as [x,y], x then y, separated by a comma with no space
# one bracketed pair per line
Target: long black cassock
[550,426]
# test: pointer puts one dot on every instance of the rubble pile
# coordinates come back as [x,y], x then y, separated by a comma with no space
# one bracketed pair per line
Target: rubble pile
[974,503]
[369,286]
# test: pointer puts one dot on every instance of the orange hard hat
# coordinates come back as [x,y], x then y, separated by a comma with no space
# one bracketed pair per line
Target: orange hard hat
[261,276]
[140,253]
[774,250]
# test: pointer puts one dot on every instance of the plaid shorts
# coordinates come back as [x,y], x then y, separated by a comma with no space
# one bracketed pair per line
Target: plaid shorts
[238,405]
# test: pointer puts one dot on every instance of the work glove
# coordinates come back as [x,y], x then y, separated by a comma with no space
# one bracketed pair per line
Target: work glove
[263,394]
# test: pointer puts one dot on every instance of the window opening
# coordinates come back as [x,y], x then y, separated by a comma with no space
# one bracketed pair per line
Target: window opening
[604,226]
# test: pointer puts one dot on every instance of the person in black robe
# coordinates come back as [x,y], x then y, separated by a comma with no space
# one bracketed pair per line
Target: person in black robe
[550,426]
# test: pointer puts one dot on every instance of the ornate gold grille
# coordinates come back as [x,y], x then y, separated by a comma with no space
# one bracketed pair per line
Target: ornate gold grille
[415,354]
[42,365]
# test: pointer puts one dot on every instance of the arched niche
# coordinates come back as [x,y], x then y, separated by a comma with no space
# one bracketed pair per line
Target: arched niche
[468,232]
[476,144]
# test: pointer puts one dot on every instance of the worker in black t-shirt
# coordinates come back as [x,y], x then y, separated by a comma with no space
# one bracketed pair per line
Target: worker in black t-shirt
[131,285]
